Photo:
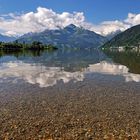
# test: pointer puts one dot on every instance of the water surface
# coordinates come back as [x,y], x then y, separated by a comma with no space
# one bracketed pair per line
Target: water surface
[70,94]
[49,68]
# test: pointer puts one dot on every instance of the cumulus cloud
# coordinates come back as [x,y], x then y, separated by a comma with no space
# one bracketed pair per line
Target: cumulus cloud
[133,19]
[43,18]
[38,21]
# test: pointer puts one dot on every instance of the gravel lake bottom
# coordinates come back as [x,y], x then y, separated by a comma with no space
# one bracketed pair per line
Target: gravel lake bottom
[92,109]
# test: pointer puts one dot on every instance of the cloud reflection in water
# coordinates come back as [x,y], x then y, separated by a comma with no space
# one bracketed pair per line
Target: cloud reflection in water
[36,74]
[49,76]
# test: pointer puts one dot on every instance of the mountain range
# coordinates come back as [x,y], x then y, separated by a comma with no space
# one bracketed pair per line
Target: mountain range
[128,38]
[113,34]
[70,36]
[73,36]
[4,38]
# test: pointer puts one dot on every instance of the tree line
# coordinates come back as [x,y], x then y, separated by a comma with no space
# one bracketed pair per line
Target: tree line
[36,45]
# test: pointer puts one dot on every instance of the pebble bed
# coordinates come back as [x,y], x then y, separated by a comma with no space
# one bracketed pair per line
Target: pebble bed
[86,110]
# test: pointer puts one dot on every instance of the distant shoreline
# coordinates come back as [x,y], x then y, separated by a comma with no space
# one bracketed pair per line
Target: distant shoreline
[15,46]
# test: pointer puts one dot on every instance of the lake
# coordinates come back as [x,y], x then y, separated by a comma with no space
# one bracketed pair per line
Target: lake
[70,94]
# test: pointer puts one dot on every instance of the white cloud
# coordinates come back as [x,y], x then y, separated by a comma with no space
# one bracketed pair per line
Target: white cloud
[10,33]
[133,19]
[43,18]
[38,21]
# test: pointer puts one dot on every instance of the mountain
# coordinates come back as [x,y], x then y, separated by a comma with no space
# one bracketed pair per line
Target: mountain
[4,38]
[69,36]
[128,38]
[113,34]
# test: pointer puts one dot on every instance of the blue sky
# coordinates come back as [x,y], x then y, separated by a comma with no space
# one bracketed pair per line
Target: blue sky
[100,16]
[95,10]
